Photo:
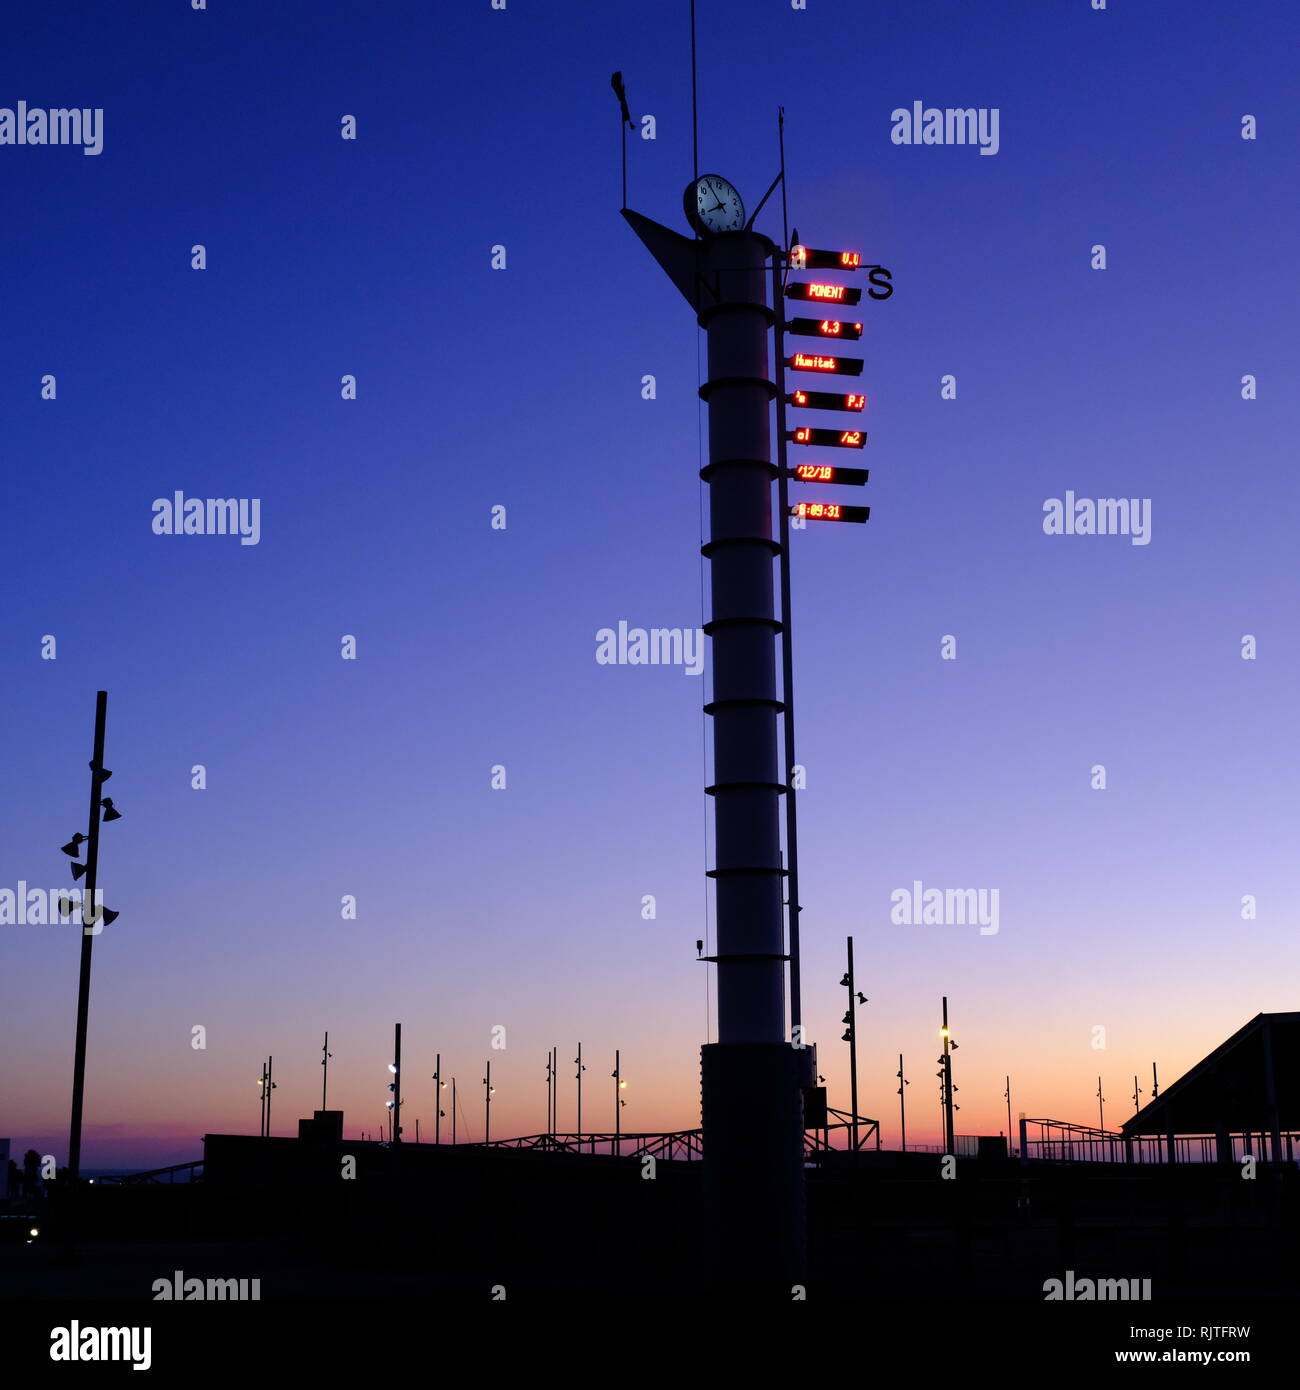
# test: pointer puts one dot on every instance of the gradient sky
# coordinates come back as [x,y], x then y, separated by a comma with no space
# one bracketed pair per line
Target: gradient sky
[1119,908]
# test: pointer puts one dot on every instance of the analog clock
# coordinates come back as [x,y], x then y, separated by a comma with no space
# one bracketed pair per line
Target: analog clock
[713,205]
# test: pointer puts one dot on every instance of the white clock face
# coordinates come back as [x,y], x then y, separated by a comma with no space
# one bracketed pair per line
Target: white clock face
[715,205]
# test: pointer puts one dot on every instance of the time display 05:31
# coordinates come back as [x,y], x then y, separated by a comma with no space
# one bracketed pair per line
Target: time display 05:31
[829,511]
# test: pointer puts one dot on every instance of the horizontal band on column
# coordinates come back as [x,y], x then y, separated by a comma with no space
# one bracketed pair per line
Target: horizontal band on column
[744,702]
[736,306]
[777,787]
[718,542]
[743,873]
[716,624]
[715,464]
[744,955]
[710,386]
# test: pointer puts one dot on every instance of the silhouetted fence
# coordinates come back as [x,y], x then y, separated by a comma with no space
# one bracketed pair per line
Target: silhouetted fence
[1059,1141]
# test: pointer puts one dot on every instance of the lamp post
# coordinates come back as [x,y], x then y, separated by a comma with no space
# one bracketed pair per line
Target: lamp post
[851,1037]
[949,1136]
[395,1086]
[902,1102]
[93,919]
[619,1103]
[438,1085]
[325,1074]
[397,1083]
[267,1086]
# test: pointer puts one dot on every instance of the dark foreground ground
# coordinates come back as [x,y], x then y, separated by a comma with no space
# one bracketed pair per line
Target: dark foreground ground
[887,1236]
[542,1224]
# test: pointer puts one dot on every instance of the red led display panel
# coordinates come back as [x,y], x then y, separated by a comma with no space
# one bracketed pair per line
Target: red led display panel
[826,400]
[807,258]
[822,294]
[829,511]
[821,362]
[832,439]
[829,473]
[825,328]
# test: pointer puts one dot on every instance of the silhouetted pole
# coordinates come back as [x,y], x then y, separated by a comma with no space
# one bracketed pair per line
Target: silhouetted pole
[453,1110]
[1008,1094]
[487,1105]
[550,1092]
[270,1086]
[581,1069]
[1101,1106]
[397,1083]
[1137,1104]
[851,1036]
[325,1074]
[752,1113]
[1155,1082]
[950,1139]
[88,919]
[263,1092]
[437,1099]
[618,1104]
[902,1102]
[793,907]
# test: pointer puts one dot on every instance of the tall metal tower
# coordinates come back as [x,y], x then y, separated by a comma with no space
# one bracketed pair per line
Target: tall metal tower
[751,1099]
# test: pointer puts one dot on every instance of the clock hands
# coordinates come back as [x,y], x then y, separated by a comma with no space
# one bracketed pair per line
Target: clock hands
[719,204]
[725,213]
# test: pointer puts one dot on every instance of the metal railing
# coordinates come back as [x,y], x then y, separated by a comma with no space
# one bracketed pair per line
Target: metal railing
[152,1175]
[1059,1141]
[682,1144]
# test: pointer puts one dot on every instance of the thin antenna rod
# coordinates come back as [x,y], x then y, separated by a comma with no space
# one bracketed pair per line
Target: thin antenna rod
[695,112]
[780,135]
[625,123]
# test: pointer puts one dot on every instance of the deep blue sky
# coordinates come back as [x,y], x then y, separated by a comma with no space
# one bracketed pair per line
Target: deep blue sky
[522,387]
